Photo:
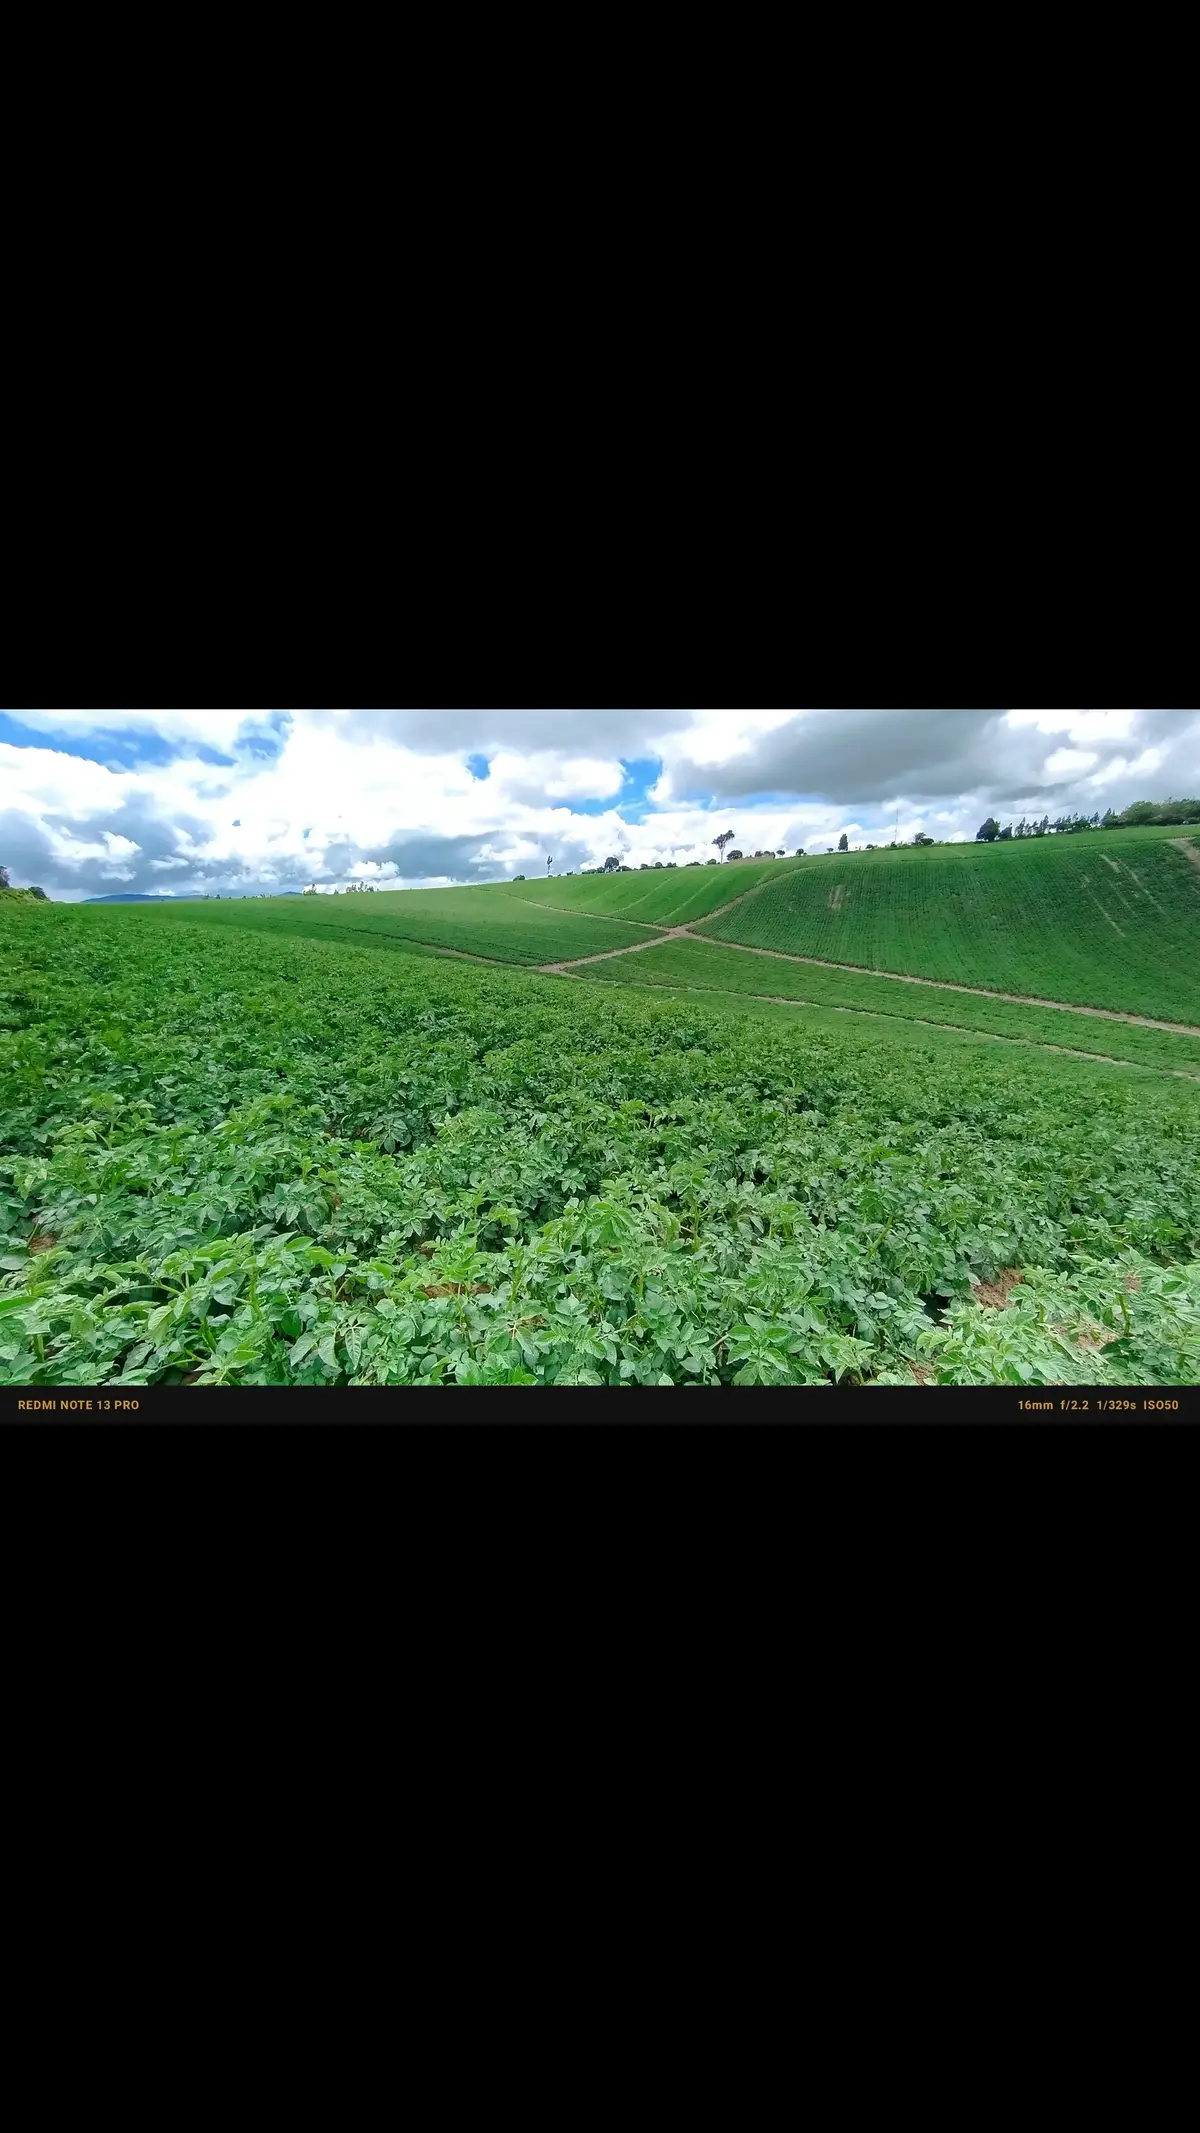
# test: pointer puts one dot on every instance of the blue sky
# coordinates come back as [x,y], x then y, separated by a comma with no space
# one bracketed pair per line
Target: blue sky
[246,801]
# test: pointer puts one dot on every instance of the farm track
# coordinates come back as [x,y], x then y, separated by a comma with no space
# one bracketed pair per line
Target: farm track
[664,933]
[954,1029]
[1190,851]
[858,970]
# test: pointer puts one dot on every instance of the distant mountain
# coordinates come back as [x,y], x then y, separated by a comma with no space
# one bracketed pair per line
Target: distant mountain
[190,896]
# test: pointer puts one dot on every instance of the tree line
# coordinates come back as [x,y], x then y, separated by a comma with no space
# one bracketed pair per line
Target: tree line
[6,885]
[1144,814]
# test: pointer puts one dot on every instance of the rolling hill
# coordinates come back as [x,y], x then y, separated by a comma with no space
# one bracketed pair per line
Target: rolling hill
[1110,920]
[673,897]
[483,922]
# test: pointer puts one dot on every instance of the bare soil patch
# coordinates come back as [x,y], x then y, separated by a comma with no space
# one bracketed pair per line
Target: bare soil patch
[994,1295]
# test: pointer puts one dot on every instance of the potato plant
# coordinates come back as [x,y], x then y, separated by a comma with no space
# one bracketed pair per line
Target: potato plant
[228,1157]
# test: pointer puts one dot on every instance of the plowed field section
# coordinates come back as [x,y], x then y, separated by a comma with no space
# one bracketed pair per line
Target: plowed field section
[1103,922]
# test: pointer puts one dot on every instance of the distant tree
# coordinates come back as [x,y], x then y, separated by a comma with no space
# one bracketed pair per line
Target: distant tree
[843,842]
[612,864]
[518,877]
[40,894]
[1006,834]
[726,837]
[712,862]
[800,853]
[781,853]
[1111,821]
[989,833]
[922,841]
[4,878]
[733,855]
[1143,813]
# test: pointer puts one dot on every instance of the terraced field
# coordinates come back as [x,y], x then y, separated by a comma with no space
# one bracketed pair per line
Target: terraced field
[485,922]
[1111,920]
[687,966]
[673,897]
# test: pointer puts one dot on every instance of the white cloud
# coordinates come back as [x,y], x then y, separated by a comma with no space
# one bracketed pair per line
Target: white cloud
[1067,763]
[389,797]
[1078,725]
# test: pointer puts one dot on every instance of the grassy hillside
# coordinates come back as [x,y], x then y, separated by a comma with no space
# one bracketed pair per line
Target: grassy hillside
[1111,920]
[695,966]
[673,898]
[484,921]
[228,1156]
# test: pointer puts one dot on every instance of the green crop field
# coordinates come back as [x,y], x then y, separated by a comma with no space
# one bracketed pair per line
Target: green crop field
[485,922]
[673,897]
[694,965]
[231,1152]
[1109,920]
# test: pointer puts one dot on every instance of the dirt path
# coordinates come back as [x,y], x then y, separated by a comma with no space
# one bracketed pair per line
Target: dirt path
[661,933]
[978,992]
[956,1029]
[895,977]
[664,933]
[1190,851]
[558,970]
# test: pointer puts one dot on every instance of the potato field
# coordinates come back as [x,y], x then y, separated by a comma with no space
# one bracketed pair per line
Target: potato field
[235,1149]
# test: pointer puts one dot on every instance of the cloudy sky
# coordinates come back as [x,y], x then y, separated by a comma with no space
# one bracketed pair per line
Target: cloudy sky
[94,803]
